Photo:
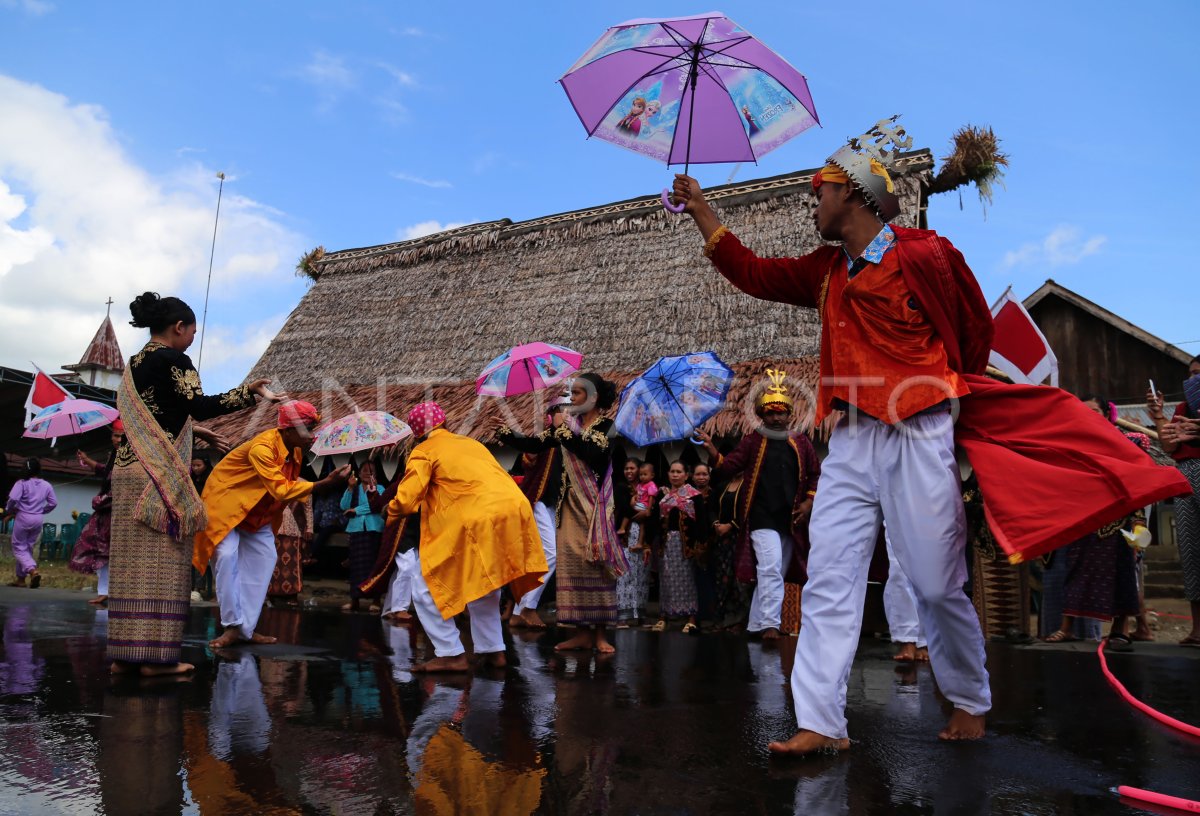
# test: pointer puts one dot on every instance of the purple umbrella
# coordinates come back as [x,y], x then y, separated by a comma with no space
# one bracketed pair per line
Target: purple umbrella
[645,83]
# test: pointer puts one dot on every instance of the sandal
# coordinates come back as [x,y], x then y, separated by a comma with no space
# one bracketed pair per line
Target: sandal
[661,626]
[1060,637]
[1118,643]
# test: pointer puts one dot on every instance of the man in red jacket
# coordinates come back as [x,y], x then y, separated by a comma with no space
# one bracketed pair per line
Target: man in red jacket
[896,370]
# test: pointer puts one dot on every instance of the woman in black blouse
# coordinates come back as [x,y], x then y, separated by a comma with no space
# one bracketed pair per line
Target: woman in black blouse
[587,582]
[156,509]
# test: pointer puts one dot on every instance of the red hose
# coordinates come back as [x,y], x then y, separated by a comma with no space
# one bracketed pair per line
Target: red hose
[1138,704]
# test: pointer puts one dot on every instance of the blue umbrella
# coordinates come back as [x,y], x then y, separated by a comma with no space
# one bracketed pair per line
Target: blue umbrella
[673,397]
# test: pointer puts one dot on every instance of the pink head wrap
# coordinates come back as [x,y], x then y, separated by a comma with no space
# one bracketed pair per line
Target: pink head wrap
[425,417]
[296,413]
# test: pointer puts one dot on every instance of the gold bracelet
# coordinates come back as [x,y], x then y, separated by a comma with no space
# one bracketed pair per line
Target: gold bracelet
[710,246]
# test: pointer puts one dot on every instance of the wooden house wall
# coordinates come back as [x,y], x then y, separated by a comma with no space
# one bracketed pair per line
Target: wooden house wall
[1095,356]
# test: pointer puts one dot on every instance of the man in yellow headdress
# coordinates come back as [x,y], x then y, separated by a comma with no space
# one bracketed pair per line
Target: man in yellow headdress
[780,471]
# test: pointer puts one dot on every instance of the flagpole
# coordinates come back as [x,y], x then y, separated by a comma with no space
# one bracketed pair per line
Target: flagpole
[212,253]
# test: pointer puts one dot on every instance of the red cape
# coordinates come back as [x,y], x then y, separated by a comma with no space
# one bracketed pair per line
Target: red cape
[1050,470]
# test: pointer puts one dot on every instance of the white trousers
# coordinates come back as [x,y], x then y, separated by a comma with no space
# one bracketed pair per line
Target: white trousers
[242,567]
[238,721]
[773,553]
[487,635]
[544,516]
[399,594]
[102,580]
[907,476]
[900,602]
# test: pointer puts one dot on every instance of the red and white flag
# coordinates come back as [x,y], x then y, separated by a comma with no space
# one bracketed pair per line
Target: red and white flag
[44,392]
[1019,348]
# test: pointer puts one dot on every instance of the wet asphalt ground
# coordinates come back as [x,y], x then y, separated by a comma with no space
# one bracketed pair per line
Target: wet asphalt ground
[333,722]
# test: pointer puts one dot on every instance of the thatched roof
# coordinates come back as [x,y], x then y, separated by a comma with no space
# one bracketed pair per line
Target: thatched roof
[624,283]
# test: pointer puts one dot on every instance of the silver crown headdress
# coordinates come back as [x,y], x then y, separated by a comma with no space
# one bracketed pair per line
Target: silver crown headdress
[855,158]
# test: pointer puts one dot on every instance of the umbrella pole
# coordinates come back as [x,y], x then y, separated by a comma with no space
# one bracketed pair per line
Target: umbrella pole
[694,75]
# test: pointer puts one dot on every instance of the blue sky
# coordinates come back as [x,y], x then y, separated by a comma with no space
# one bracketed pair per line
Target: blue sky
[359,123]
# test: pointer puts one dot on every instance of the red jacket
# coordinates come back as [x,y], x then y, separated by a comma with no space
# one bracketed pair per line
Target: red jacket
[1050,470]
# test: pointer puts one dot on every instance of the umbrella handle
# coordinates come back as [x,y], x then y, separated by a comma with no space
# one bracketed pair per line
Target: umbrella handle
[668,206]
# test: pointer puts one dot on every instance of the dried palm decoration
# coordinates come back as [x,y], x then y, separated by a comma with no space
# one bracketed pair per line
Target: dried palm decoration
[976,159]
[306,267]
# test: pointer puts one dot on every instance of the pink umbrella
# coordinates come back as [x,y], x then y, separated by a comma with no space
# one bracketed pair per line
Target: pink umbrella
[526,368]
[69,417]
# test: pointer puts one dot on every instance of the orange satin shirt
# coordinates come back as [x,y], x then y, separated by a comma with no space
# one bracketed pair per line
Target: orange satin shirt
[885,357]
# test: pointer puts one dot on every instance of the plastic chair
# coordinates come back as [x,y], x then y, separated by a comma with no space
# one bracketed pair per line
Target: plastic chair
[67,537]
[47,540]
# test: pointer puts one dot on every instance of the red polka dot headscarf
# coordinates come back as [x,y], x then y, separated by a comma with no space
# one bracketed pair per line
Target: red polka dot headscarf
[425,417]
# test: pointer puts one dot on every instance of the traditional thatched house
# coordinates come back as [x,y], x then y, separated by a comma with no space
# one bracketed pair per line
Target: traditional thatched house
[1101,352]
[386,326]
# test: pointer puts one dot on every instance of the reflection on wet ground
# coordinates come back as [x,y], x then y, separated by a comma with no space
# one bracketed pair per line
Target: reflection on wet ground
[670,724]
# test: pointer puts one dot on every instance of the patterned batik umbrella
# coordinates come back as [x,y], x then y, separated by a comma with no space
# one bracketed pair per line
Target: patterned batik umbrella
[359,431]
[70,417]
[526,368]
[689,90]
[673,398]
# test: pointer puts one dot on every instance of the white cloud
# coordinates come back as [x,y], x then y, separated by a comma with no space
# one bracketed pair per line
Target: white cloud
[437,184]
[1065,245]
[401,76]
[35,7]
[427,228]
[329,75]
[81,221]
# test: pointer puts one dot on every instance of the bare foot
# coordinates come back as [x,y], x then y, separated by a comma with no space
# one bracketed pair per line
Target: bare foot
[398,617]
[458,663]
[770,635]
[495,660]
[530,619]
[163,669]
[809,742]
[602,645]
[922,654]
[262,639]
[907,653]
[583,640]
[99,600]
[121,667]
[963,726]
[228,638]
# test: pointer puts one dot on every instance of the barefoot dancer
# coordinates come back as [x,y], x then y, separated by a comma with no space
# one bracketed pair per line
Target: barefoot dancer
[245,498]
[477,535]
[589,553]
[156,509]
[905,332]
[897,462]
